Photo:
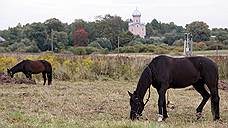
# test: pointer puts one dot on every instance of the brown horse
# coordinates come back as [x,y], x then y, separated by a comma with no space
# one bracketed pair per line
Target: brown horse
[165,72]
[29,67]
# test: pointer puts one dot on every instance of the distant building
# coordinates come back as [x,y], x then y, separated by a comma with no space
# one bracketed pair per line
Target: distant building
[135,26]
[2,39]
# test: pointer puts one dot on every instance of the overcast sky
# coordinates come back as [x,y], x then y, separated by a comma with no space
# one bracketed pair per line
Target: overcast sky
[181,12]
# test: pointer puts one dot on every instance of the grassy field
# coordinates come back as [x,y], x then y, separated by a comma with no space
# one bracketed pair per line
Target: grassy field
[97,104]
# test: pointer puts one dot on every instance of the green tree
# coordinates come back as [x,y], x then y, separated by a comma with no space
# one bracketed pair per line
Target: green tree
[221,34]
[152,28]
[158,29]
[39,34]
[125,38]
[170,38]
[110,27]
[54,24]
[199,30]
[59,41]
[102,43]
[13,34]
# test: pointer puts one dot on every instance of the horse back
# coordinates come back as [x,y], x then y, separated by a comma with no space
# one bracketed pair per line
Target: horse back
[47,65]
[180,72]
[203,63]
[208,69]
[37,66]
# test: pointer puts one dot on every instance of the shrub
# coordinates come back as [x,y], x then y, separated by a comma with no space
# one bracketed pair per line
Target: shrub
[95,45]
[150,48]
[160,50]
[199,46]
[216,46]
[179,43]
[222,62]
[69,67]
[223,70]
[104,43]
[84,50]
[3,49]
[18,47]
[225,42]
[139,48]
[32,49]
[134,42]
[6,62]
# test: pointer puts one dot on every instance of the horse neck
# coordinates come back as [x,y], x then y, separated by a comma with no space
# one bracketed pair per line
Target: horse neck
[17,68]
[143,83]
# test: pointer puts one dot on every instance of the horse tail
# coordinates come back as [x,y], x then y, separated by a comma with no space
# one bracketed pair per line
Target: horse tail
[212,84]
[48,70]
[215,98]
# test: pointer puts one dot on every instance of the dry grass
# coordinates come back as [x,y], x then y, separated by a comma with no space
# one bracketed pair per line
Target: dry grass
[95,104]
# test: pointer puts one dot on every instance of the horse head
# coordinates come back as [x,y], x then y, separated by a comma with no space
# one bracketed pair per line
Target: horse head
[10,73]
[137,106]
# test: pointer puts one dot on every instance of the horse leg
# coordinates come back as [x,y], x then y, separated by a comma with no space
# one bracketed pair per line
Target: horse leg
[161,102]
[199,87]
[214,102]
[165,115]
[28,75]
[44,77]
[49,75]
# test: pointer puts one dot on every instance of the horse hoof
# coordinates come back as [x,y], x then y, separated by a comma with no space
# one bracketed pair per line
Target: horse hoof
[217,119]
[198,115]
[165,117]
[160,118]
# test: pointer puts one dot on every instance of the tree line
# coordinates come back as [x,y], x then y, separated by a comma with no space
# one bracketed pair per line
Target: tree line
[106,32]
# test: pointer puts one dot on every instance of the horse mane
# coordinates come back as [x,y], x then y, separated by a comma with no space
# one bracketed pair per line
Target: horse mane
[15,68]
[24,61]
[144,82]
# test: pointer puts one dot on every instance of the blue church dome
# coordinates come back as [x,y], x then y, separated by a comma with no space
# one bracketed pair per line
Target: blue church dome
[136,13]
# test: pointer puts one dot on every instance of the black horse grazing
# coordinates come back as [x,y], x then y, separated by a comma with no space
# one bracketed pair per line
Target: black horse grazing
[165,72]
[29,67]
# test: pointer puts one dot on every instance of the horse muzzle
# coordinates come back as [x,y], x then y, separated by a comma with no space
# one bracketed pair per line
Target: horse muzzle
[134,116]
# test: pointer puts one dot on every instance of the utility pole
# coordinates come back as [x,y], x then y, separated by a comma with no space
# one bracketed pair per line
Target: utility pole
[118,44]
[188,44]
[213,40]
[52,47]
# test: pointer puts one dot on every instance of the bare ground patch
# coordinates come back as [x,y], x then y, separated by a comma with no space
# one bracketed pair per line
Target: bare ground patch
[8,80]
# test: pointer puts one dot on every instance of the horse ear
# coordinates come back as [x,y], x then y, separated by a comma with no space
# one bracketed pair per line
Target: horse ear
[130,94]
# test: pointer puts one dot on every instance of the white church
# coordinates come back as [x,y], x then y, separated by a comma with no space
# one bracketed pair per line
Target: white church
[135,26]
